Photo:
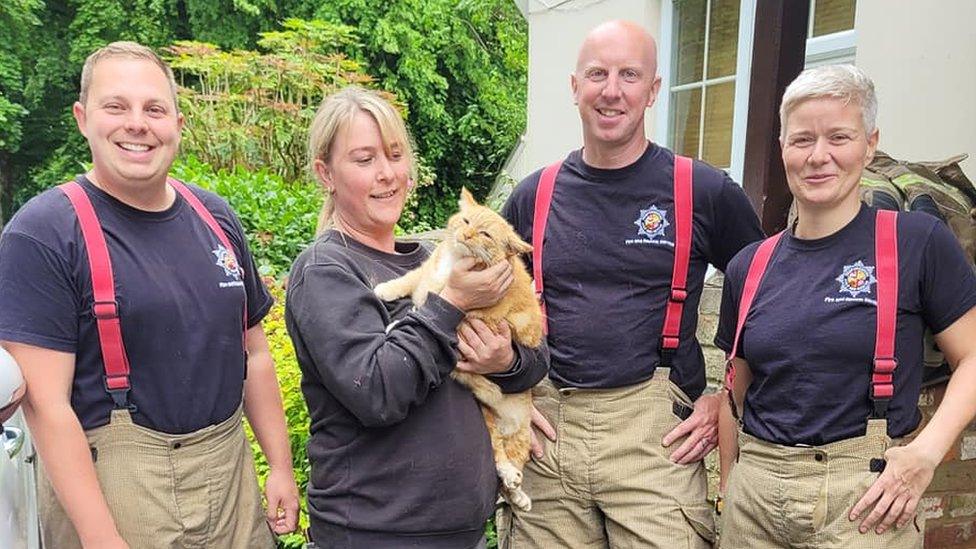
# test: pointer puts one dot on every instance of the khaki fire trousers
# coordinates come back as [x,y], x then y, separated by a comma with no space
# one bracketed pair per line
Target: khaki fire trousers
[607,482]
[785,497]
[197,490]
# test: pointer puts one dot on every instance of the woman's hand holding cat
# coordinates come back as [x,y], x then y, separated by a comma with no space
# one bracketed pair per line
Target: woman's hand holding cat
[483,351]
[469,289]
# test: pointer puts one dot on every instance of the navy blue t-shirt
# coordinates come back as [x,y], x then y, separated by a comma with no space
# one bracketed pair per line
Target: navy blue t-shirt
[608,259]
[809,336]
[181,304]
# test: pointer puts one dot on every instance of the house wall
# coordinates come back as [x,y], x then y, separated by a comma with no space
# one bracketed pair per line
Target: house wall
[555,34]
[922,58]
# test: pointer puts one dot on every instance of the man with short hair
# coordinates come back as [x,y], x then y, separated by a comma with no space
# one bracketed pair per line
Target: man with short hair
[133,306]
[624,264]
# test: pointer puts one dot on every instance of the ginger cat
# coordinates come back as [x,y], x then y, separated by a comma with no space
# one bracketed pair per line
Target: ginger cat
[479,232]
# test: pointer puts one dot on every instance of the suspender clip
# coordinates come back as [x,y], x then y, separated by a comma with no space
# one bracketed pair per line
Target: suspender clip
[666,351]
[117,387]
[880,406]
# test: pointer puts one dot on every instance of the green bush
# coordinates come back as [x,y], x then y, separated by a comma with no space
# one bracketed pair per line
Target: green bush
[278,217]
[296,414]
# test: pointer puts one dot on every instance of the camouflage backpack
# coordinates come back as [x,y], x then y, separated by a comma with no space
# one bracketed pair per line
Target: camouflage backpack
[937,188]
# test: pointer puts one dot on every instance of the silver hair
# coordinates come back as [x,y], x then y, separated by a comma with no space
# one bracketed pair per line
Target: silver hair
[845,82]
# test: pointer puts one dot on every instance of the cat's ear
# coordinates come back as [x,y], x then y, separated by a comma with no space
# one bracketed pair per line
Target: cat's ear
[467,199]
[516,245]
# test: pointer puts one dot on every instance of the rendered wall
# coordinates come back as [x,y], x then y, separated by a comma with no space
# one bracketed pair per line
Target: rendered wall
[922,57]
[556,30]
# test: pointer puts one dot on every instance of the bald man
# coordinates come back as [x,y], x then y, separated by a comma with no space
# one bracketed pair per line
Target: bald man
[630,417]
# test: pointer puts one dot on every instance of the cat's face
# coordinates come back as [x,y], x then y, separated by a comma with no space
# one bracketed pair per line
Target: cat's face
[480,232]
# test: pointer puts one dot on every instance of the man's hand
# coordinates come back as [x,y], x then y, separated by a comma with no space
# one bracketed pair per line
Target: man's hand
[895,494]
[282,495]
[482,350]
[540,422]
[701,428]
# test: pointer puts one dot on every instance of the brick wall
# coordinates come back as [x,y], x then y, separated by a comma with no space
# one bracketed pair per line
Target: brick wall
[949,506]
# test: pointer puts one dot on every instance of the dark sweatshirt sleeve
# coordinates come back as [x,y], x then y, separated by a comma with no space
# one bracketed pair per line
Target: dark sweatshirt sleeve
[531,366]
[375,368]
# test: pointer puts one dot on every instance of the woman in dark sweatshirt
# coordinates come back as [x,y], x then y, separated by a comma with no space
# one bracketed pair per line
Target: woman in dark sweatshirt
[399,451]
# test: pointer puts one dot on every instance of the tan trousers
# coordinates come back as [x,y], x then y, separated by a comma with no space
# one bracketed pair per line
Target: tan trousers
[607,481]
[197,490]
[799,498]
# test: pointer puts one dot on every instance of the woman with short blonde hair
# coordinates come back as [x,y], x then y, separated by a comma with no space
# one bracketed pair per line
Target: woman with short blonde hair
[824,327]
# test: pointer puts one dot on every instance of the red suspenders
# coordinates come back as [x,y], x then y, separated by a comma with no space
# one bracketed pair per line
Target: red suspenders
[543,197]
[756,270]
[106,307]
[886,258]
[683,207]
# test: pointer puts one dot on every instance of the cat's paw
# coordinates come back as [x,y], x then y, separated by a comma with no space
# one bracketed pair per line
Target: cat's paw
[386,291]
[518,499]
[510,476]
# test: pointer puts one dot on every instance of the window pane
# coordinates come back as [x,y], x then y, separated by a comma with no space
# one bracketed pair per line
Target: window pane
[719,102]
[686,114]
[689,32]
[833,16]
[723,37]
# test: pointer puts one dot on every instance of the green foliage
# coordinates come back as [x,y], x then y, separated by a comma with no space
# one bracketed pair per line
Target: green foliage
[60,167]
[461,67]
[296,413]
[17,19]
[250,109]
[98,22]
[236,23]
[278,217]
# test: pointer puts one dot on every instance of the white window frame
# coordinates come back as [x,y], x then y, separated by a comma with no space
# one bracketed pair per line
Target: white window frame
[830,48]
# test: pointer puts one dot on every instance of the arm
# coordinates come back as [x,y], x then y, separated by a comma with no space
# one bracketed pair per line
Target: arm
[378,369]
[894,496]
[264,411]
[61,442]
[531,367]
[728,439]
[512,367]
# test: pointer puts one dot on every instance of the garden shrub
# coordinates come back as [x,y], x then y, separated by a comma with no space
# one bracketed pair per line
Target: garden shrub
[278,217]
[296,414]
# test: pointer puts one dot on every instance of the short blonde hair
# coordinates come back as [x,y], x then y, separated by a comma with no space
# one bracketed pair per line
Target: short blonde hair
[130,50]
[845,82]
[335,113]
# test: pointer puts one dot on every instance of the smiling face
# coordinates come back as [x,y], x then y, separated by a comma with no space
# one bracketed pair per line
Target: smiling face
[131,123]
[614,83]
[368,179]
[825,149]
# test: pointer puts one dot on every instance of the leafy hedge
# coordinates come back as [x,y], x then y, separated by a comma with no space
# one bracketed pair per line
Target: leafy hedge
[278,217]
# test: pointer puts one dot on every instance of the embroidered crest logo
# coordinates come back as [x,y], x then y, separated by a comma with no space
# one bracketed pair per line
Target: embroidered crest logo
[652,222]
[227,261]
[856,279]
